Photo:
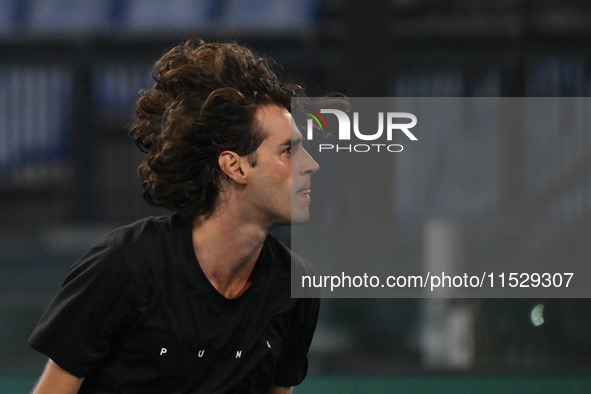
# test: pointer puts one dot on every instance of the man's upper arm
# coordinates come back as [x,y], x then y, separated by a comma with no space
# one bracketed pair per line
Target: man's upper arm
[279,390]
[55,380]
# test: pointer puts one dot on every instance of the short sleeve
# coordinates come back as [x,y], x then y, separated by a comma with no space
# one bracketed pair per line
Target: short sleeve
[292,366]
[79,327]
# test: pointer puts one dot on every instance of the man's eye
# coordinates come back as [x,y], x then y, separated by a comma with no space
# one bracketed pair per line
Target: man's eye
[288,151]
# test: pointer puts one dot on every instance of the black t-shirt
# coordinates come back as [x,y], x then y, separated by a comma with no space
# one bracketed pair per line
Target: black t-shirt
[136,314]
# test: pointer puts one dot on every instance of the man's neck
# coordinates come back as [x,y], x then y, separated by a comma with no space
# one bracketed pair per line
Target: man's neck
[227,250]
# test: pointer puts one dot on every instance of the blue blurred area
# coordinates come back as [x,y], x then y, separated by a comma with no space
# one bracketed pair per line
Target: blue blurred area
[55,17]
[36,100]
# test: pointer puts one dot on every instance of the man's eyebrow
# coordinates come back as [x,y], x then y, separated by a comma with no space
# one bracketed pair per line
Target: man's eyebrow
[293,142]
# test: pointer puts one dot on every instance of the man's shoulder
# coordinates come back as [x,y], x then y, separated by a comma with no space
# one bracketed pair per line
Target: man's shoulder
[145,231]
[134,247]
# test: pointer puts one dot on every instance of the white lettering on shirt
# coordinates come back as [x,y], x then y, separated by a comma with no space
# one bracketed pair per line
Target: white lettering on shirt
[201,353]
[163,351]
[239,354]
[269,345]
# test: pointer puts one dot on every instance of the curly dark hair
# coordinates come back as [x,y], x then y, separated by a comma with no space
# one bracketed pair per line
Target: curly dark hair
[202,103]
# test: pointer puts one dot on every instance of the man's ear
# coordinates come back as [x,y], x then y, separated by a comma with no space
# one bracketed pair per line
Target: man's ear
[233,166]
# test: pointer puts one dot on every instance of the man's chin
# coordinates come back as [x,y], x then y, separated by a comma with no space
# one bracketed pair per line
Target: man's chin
[299,218]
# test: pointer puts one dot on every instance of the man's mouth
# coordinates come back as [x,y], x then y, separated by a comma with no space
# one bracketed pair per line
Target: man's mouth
[305,191]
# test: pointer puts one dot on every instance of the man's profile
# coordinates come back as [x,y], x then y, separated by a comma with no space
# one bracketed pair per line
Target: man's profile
[198,301]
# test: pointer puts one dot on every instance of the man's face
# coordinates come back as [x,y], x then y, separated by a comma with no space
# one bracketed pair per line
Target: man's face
[280,181]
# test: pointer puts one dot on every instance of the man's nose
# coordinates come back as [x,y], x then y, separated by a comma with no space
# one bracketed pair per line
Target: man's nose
[309,165]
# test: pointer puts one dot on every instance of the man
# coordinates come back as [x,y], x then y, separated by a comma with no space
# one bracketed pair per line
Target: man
[197,302]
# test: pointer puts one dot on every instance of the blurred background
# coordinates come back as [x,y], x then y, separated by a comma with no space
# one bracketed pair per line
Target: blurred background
[69,76]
